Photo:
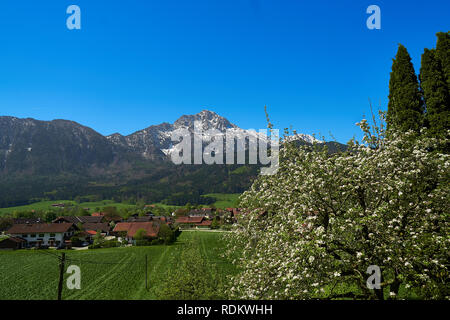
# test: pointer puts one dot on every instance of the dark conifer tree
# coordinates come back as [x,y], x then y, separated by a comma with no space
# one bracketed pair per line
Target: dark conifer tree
[443,54]
[405,108]
[435,93]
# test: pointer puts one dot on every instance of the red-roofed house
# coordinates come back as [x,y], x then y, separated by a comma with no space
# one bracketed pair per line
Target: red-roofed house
[98,214]
[182,220]
[103,227]
[192,221]
[204,224]
[151,229]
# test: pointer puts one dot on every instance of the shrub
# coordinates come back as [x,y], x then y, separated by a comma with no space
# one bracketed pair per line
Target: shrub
[142,243]
[105,244]
[140,234]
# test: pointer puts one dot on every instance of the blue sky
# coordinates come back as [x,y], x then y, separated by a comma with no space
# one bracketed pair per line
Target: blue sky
[137,63]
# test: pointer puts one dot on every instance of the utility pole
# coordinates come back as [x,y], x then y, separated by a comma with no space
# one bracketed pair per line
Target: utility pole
[146,287]
[61,274]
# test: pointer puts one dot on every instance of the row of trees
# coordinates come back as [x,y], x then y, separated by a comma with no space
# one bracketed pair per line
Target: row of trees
[424,101]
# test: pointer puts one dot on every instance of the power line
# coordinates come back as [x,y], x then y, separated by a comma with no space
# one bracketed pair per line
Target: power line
[54,255]
[61,275]
[63,259]
[100,262]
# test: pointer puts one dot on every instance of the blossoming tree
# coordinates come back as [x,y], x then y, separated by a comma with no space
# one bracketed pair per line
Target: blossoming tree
[313,229]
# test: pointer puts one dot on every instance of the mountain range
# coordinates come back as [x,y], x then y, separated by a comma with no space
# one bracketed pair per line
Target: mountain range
[62,158]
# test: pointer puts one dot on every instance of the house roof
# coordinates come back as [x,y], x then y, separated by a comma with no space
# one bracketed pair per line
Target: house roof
[196,219]
[26,220]
[189,219]
[79,219]
[13,239]
[116,218]
[151,228]
[40,228]
[206,223]
[11,243]
[16,239]
[140,219]
[236,212]
[102,226]
[97,214]
[162,218]
[182,220]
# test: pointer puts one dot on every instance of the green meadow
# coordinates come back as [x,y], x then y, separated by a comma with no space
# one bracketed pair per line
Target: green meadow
[114,273]
[223,200]
[47,205]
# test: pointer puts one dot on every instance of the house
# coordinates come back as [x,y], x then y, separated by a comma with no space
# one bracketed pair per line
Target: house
[102,226]
[112,218]
[205,224]
[98,214]
[85,236]
[207,211]
[192,221]
[78,219]
[203,212]
[58,205]
[231,214]
[161,219]
[220,212]
[88,223]
[136,218]
[12,243]
[91,232]
[151,229]
[43,234]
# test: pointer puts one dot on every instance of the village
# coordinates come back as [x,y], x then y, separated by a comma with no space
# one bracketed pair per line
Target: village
[103,229]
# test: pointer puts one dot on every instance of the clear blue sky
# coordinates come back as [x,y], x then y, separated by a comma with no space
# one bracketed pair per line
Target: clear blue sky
[136,63]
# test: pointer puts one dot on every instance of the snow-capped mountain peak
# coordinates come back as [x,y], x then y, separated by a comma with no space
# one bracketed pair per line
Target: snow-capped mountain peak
[209,120]
[156,141]
[305,137]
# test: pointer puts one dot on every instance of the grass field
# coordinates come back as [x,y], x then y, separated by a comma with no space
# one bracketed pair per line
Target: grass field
[116,273]
[46,205]
[225,200]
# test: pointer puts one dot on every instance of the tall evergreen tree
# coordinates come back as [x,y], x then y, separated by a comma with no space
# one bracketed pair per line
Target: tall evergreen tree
[435,92]
[443,54]
[405,108]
